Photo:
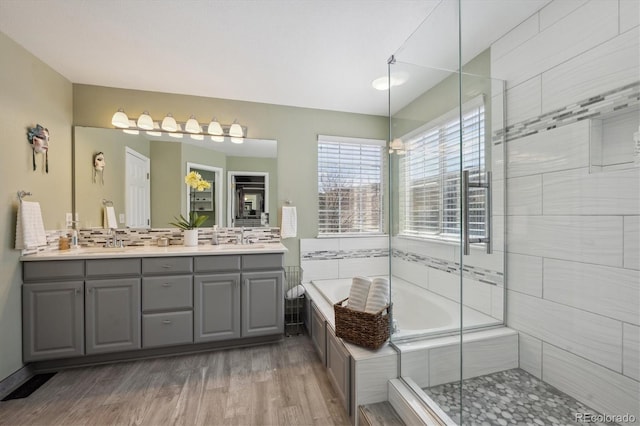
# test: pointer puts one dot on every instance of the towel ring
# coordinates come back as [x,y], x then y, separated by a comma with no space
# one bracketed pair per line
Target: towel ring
[22,194]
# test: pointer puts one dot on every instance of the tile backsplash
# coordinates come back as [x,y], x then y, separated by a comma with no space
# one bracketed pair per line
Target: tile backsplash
[95,237]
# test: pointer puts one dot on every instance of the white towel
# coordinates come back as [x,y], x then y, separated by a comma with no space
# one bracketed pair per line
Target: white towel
[289,225]
[110,221]
[358,293]
[378,296]
[295,292]
[29,226]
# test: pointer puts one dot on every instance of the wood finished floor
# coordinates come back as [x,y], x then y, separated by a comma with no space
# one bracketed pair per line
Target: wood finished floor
[275,384]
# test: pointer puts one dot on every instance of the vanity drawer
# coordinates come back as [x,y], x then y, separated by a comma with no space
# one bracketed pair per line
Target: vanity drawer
[262,261]
[112,267]
[52,270]
[167,293]
[172,328]
[217,263]
[167,265]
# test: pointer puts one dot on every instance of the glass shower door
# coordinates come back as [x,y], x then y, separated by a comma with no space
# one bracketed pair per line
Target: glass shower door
[446,209]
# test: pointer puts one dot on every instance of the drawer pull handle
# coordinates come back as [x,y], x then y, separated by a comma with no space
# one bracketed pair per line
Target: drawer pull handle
[165,266]
[166,321]
[166,285]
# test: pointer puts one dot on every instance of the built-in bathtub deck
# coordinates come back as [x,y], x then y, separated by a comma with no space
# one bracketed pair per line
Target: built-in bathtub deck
[429,361]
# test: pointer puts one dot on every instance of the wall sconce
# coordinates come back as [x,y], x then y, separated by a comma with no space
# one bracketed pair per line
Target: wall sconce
[397,146]
[235,132]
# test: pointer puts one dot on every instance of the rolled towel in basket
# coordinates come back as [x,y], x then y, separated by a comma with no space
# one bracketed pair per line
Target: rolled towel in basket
[358,293]
[378,296]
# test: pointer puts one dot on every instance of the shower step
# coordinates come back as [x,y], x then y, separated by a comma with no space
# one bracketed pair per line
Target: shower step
[414,407]
[379,414]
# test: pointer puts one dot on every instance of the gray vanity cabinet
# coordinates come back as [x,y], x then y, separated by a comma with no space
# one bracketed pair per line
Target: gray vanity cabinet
[112,315]
[167,301]
[263,303]
[52,320]
[217,307]
[216,298]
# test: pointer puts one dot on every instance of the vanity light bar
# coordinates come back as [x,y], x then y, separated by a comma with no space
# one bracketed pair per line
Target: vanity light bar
[169,125]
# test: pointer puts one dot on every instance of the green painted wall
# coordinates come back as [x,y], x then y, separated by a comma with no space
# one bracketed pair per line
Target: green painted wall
[31,93]
[167,182]
[295,129]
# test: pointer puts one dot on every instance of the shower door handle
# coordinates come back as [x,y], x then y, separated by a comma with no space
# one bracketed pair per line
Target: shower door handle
[466,240]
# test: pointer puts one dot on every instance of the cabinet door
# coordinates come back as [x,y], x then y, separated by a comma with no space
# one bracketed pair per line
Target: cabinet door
[262,303]
[319,333]
[216,307]
[112,315]
[338,367]
[53,320]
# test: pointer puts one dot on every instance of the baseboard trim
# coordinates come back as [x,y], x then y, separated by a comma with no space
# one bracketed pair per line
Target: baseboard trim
[15,380]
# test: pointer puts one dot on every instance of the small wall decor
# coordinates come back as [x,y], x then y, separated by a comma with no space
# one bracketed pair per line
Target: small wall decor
[98,166]
[39,139]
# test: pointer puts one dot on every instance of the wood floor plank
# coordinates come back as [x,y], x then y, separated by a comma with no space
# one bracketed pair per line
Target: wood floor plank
[276,384]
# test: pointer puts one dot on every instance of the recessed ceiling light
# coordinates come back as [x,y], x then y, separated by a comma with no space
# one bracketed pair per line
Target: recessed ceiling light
[396,79]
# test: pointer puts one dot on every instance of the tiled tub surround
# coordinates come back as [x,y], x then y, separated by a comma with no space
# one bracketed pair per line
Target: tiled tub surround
[573,223]
[97,237]
[330,258]
[435,267]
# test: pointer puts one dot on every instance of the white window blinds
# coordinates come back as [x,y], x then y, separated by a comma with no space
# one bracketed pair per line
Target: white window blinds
[429,175]
[349,185]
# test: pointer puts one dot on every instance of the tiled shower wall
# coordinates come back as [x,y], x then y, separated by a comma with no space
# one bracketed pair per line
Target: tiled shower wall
[573,224]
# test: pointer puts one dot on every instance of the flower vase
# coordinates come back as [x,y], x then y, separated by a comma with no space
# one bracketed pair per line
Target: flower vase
[191,237]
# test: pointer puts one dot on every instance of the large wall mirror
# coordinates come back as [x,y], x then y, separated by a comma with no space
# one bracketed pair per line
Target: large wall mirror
[142,175]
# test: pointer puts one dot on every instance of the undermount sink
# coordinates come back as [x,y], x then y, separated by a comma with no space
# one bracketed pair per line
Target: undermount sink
[102,249]
[242,246]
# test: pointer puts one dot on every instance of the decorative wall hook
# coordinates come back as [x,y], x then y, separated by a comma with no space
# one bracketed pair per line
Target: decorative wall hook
[39,139]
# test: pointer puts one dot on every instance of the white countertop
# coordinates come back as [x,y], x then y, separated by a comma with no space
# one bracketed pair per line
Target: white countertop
[155,251]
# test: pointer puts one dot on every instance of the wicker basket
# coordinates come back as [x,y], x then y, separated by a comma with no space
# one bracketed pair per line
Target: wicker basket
[362,328]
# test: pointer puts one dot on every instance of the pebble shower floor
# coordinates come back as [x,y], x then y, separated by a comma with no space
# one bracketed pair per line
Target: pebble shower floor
[512,397]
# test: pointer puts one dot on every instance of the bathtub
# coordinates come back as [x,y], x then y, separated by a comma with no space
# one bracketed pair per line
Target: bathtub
[416,312]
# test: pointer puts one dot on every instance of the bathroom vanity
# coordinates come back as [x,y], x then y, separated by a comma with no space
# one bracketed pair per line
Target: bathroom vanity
[96,305]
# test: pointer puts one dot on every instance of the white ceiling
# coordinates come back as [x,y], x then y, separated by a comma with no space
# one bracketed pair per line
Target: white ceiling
[305,53]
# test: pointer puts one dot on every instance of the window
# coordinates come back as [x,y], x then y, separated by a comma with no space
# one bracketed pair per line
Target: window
[349,185]
[429,175]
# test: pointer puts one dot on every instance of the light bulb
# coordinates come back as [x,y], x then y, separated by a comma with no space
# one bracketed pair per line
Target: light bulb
[169,124]
[236,130]
[215,128]
[145,122]
[192,125]
[120,119]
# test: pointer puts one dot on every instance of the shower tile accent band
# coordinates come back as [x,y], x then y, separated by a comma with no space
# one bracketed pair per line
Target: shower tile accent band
[479,274]
[343,254]
[486,276]
[614,100]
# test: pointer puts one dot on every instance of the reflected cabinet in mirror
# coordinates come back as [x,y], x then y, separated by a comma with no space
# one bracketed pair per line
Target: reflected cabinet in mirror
[143,176]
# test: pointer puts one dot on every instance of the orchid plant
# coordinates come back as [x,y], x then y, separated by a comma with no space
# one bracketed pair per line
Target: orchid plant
[196,183]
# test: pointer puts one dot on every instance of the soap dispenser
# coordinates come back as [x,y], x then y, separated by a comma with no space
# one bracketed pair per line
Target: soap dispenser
[74,239]
[214,239]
